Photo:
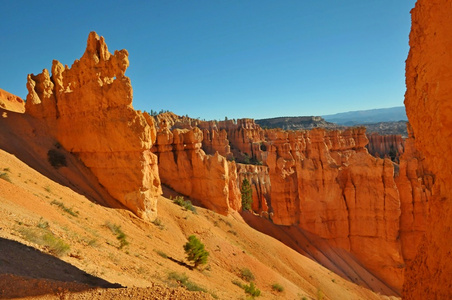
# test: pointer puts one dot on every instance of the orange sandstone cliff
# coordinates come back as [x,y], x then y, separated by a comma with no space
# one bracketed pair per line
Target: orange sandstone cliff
[428,102]
[88,109]
[324,182]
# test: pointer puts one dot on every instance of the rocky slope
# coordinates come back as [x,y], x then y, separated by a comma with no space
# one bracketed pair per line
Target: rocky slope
[427,100]
[88,262]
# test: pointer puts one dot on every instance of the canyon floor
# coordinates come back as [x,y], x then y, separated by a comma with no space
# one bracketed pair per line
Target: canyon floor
[57,244]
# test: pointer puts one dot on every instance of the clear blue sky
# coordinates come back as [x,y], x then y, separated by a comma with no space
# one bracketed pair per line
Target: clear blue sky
[217,58]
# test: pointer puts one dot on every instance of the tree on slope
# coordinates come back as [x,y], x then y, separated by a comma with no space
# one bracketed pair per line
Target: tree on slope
[247,195]
[195,251]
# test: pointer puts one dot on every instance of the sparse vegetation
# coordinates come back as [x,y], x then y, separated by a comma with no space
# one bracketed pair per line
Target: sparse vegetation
[157,222]
[250,289]
[161,253]
[195,251]
[44,237]
[179,200]
[246,274]
[5,176]
[64,208]
[277,287]
[120,235]
[247,195]
[56,158]
[320,294]
[182,280]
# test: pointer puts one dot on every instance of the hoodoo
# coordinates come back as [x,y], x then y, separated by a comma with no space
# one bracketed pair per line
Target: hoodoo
[88,109]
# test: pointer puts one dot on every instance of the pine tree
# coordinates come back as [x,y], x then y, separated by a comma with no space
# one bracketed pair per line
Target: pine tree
[195,251]
[247,195]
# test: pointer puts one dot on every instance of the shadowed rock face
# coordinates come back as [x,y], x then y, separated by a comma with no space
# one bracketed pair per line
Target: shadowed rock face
[429,109]
[88,108]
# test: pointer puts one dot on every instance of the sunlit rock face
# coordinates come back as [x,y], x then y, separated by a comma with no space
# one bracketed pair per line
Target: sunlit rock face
[428,102]
[88,108]
[11,102]
[323,181]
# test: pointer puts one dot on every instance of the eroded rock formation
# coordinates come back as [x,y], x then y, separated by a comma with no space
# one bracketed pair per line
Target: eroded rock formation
[184,166]
[88,108]
[429,109]
[323,181]
[386,146]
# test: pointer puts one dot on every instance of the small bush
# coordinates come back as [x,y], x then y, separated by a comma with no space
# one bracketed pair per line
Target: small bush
[5,176]
[247,195]
[277,287]
[252,290]
[64,208]
[246,274]
[157,222]
[179,200]
[195,251]
[56,158]
[182,280]
[120,235]
[45,238]
[161,253]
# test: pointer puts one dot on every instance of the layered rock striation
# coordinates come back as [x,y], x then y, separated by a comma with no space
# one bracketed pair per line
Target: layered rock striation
[323,181]
[88,109]
[429,109]
[391,146]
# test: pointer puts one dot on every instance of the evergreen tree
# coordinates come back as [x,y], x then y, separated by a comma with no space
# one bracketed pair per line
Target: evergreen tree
[247,195]
[195,251]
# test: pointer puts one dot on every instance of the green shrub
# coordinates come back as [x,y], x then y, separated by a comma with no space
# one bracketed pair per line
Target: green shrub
[64,208]
[179,200]
[247,195]
[246,274]
[42,236]
[120,235]
[161,253]
[5,176]
[252,290]
[195,251]
[182,280]
[277,287]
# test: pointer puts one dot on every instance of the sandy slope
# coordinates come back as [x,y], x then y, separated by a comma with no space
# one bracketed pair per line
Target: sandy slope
[95,259]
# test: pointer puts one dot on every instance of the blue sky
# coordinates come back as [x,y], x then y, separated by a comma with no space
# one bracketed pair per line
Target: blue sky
[216,58]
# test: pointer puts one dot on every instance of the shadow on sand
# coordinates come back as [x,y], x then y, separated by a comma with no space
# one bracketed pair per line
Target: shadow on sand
[27,272]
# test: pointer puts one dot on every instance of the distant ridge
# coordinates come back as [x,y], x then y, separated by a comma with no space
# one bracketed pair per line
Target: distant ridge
[296,123]
[351,118]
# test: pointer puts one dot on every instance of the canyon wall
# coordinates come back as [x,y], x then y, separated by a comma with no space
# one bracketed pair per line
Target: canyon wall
[88,109]
[323,181]
[429,109]
[391,145]
[187,169]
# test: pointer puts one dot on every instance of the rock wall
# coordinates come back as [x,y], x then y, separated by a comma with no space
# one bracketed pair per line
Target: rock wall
[429,109]
[391,146]
[88,108]
[184,167]
[323,181]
